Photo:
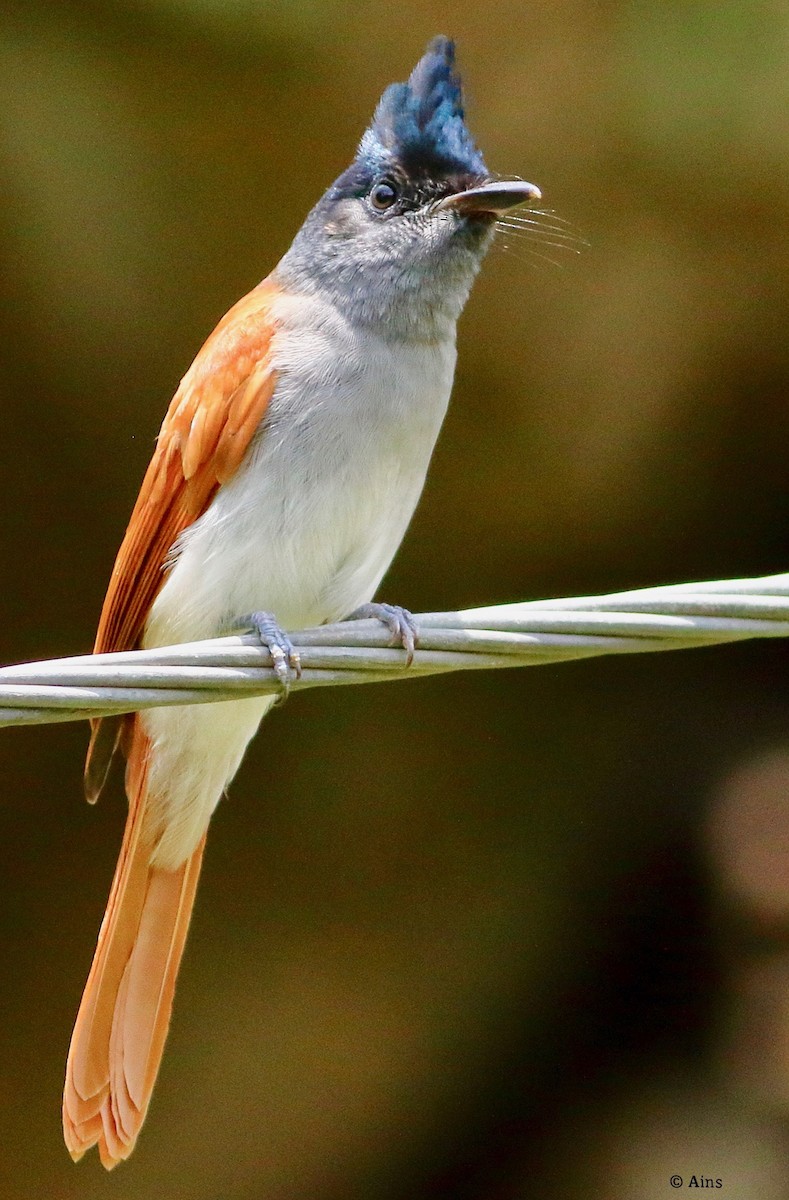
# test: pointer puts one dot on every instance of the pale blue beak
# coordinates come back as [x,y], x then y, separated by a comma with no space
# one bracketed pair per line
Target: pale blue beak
[493,198]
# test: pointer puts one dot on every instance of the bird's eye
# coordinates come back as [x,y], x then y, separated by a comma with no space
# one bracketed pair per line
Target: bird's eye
[383,195]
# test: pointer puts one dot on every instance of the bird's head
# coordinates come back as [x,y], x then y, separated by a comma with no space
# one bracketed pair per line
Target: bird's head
[402,232]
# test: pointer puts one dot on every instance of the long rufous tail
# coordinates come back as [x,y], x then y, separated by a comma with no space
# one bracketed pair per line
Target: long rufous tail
[123,1019]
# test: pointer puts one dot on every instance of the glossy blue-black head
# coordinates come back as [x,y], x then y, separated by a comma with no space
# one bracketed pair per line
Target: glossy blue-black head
[418,149]
[398,238]
[420,125]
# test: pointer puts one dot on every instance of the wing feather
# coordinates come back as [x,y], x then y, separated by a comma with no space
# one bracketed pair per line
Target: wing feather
[204,436]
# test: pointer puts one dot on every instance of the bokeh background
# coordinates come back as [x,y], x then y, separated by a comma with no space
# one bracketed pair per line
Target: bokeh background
[483,938]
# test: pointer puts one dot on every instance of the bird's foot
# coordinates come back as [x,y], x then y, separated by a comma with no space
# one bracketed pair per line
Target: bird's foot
[399,621]
[284,656]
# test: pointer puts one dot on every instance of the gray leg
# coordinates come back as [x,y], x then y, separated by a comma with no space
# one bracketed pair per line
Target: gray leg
[399,621]
[284,656]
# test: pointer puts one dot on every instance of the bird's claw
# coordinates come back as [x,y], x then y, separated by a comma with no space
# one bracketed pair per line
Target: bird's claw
[399,621]
[285,657]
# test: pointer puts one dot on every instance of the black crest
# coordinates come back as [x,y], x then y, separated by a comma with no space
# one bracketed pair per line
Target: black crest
[421,124]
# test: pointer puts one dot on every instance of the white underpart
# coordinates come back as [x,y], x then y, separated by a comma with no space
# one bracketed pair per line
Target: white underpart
[305,529]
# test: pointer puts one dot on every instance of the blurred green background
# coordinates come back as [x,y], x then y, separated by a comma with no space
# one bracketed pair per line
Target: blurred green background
[484,938]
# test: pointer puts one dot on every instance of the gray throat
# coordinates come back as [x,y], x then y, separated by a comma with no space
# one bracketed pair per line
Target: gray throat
[411,291]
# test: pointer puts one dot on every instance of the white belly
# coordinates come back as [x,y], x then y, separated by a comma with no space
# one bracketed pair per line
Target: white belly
[305,530]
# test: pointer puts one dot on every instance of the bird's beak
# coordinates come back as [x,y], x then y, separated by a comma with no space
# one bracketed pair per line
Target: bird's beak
[491,198]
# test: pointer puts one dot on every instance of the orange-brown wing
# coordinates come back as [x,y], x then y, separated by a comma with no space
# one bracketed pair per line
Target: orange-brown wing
[207,429]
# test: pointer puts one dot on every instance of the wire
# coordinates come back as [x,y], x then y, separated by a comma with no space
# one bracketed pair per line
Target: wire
[532,633]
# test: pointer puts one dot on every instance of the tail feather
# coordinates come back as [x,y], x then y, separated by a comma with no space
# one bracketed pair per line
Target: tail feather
[124,1016]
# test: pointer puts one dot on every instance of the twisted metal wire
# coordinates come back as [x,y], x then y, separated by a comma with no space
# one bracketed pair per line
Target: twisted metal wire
[532,633]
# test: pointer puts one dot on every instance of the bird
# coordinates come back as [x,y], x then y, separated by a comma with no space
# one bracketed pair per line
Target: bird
[285,473]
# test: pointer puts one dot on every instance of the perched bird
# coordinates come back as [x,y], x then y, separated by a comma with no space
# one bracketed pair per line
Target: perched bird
[286,471]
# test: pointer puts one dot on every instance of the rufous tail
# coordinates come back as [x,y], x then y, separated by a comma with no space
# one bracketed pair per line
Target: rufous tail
[123,1019]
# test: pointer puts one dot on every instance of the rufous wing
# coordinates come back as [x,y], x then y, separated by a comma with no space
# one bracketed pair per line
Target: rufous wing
[204,436]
